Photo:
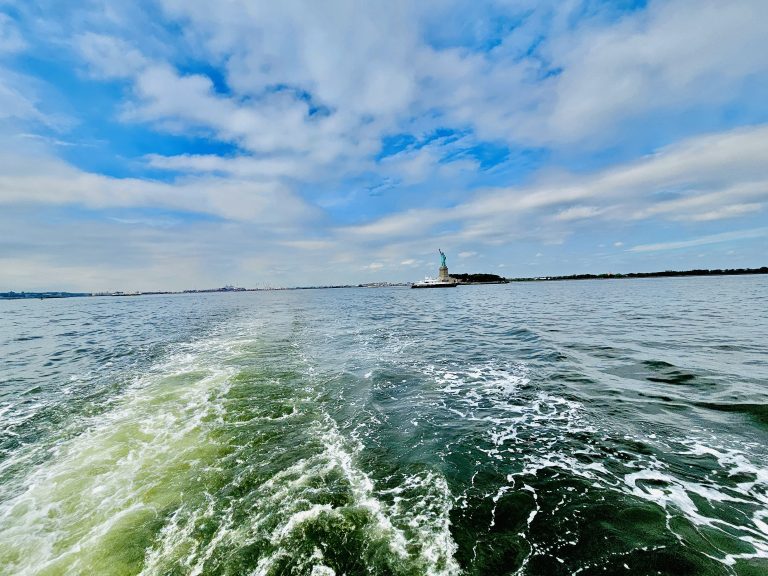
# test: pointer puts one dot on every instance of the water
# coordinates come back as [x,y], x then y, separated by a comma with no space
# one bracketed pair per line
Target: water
[595,427]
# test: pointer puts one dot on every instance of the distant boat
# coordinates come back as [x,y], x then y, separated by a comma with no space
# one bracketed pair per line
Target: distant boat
[443,281]
[432,283]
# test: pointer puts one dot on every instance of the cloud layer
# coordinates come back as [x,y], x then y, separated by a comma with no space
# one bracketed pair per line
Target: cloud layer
[286,143]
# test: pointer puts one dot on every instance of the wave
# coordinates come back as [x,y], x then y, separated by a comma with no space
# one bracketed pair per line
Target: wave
[220,457]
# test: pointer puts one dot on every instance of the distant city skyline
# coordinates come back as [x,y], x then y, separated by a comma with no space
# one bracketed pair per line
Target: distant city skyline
[166,145]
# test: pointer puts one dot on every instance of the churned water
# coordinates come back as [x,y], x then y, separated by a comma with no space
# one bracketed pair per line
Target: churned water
[595,427]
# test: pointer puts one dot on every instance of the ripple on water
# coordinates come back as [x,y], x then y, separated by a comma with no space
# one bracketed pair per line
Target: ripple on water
[575,428]
[557,470]
[187,471]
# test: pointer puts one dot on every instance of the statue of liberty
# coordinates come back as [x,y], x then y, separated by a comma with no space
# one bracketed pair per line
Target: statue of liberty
[442,258]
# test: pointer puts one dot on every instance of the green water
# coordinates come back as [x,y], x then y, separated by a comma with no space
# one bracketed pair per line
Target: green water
[613,427]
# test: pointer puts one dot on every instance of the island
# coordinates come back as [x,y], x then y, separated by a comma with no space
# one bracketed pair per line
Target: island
[479,279]
[665,274]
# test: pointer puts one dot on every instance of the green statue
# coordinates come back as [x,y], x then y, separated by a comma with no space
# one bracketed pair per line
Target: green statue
[442,258]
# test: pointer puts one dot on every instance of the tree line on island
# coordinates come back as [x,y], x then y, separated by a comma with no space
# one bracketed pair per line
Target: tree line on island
[479,278]
[666,273]
[496,279]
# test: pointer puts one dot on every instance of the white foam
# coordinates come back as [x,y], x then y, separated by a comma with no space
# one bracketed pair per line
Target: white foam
[319,570]
[674,494]
[96,480]
[484,394]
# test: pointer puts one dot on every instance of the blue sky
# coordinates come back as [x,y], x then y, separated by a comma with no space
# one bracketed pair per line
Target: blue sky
[181,144]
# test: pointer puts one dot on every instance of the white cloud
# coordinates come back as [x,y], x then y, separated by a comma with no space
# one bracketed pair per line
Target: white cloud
[109,57]
[703,240]
[11,40]
[731,211]
[372,70]
[19,102]
[410,223]
[425,163]
[96,252]
[310,244]
[578,213]
[373,266]
[240,166]
[346,55]
[673,55]
[14,104]
[41,179]
[713,176]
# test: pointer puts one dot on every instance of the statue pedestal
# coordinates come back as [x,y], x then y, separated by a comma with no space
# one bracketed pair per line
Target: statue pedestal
[443,277]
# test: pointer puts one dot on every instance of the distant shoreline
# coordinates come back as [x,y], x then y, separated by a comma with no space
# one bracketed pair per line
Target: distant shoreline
[666,274]
[58,295]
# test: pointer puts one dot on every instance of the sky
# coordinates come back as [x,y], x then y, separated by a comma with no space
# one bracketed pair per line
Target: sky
[174,144]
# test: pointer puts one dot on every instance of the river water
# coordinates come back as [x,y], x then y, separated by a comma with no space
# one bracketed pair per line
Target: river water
[591,427]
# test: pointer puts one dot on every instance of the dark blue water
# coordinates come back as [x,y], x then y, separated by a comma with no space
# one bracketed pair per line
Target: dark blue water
[592,427]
